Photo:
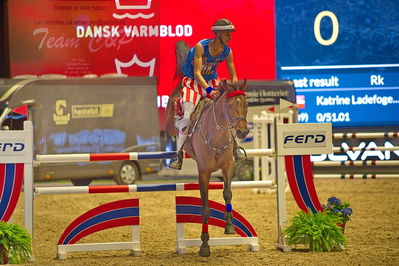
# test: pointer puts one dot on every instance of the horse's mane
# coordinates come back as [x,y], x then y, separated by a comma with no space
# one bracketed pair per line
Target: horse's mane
[181,51]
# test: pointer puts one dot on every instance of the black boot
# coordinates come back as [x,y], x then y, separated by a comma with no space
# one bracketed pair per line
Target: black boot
[176,161]
[239,153]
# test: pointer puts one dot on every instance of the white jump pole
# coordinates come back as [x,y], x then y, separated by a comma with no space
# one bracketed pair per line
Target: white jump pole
[357,176]
[281,196]
[28,182]
[357,163]
[366,135]
[378,148]
[146,188]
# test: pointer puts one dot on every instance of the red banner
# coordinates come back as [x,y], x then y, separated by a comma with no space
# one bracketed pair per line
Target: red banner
[137,38]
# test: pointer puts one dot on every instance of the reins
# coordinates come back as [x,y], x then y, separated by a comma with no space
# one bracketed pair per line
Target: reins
[218,127]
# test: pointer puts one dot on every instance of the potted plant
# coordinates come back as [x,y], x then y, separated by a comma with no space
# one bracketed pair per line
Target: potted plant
[338,208]
[319,231]
[15,244]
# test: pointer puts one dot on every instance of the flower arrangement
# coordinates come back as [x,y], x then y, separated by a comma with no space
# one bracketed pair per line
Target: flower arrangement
[317,230]
[15,244]
[321,231]
[341,209]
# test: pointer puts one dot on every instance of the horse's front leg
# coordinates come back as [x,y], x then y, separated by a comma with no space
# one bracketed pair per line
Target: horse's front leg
[205,250]
[227,195]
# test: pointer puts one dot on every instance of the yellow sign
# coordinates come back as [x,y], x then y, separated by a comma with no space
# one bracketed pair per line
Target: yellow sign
[92,110]
[61,117]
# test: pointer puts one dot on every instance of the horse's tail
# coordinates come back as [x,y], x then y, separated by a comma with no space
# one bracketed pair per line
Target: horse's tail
[181,53]
[170,110]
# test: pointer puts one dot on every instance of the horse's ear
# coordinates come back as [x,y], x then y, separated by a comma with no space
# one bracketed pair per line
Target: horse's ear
[226,85]
[243,86]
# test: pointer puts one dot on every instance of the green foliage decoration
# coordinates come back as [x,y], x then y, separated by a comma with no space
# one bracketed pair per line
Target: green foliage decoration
[15,244]
[318,230]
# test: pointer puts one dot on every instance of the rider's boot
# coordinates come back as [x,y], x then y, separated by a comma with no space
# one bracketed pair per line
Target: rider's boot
[176,161]
[239,153]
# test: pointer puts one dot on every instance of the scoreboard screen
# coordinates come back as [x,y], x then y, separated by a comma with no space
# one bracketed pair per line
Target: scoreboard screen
[343,57]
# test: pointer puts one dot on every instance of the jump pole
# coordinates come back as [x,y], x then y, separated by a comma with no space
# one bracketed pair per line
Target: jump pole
[146,188]
[96,157]
[366,135]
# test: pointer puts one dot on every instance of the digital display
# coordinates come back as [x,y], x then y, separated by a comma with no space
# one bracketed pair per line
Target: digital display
[343,58]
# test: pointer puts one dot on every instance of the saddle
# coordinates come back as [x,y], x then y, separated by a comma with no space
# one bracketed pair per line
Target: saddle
[202,106]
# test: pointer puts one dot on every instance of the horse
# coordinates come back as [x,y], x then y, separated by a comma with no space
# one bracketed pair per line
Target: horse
[210,143]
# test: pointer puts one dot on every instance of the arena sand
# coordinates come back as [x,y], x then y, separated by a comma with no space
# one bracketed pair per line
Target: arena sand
[372,233]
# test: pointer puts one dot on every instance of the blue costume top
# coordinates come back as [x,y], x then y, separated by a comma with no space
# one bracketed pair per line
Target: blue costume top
[209,62]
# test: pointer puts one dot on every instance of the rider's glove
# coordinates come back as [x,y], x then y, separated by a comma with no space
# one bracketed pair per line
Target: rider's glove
[209,89]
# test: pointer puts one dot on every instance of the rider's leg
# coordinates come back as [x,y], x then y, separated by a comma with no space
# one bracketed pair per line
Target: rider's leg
[239,153]
[188,109]
[182,124]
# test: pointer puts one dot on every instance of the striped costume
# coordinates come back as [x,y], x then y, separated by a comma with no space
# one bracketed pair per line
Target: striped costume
[191,91]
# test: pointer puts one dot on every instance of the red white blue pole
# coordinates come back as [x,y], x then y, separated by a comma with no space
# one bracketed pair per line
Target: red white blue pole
[128,156]
[146,188]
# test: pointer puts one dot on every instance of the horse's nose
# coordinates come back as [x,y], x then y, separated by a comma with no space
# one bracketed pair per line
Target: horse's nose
[241,134]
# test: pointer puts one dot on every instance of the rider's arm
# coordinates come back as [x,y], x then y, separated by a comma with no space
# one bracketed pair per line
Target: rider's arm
[199,52]
[231,68]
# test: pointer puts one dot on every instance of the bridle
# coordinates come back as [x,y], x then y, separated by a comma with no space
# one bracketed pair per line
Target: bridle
[236,119]
[230,121]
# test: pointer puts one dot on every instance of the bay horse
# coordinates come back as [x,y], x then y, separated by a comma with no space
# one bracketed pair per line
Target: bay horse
[210,143]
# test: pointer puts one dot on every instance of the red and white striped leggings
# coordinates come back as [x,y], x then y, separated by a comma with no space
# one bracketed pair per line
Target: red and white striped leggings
[193,93]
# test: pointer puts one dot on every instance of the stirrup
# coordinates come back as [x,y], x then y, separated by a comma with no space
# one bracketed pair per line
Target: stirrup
[176,161]
[239,154]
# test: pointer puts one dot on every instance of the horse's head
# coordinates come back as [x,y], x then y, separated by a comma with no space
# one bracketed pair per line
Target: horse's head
[236,108]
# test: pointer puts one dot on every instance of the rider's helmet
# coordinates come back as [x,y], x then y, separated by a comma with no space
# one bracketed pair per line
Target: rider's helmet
[223,25]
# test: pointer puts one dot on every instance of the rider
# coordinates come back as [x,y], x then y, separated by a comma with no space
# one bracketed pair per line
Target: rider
[201,79]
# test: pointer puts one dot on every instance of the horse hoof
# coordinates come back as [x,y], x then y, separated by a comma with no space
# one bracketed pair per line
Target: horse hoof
[205,251]
[229,229]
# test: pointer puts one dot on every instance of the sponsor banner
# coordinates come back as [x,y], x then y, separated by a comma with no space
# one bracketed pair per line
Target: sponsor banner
[269,92]
[297,139]
[135,37]
[16,146]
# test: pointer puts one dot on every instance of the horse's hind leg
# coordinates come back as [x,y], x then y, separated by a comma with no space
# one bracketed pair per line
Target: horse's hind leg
[227,195]
[205,250]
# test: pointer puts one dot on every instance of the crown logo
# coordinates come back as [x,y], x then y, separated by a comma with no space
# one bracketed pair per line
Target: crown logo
[135,60]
